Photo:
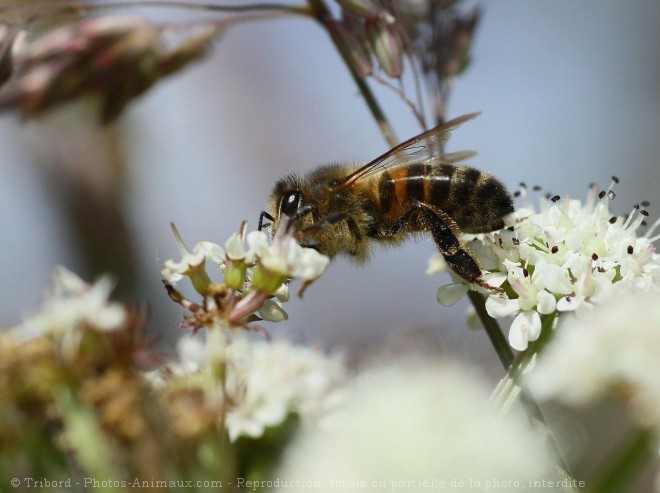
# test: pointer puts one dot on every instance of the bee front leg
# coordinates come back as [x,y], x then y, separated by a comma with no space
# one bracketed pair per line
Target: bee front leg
[261,220]
[335,218]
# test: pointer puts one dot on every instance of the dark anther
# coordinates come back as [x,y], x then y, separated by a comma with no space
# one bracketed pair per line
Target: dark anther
[612,220]
[602,194]
[615,179]
[630,250]
[522,184]
[515,241]
[510,228]
[594,256]
[644,213]
[644,223]
[636,206]
[568,298]
[554,249]
[601,269]
[525,273]
[516,193]
[646,203]
[555,198]
[537,188]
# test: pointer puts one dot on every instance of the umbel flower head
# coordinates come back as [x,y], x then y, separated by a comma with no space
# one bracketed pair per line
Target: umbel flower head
[252,278]
[567,257]
[72,308]
[264,385]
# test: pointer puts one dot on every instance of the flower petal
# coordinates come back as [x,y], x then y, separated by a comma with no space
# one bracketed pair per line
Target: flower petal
[499,307]
[451,293]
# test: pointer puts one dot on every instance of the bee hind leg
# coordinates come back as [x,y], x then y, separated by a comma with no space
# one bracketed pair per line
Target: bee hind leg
[456,255]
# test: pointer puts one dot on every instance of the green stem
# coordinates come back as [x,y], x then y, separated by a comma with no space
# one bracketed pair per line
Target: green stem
[628,463]
[322,15]
[85,436]
[493,330]
[509,391]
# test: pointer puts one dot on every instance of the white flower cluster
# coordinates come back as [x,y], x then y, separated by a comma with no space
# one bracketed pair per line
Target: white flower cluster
[568,257]
[265,382]
[616,353]
[258,273]
[71,306]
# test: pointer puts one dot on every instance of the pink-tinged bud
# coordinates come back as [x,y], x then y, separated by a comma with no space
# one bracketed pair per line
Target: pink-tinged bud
[352,45]
[364,8]
[94,56]
[387,45]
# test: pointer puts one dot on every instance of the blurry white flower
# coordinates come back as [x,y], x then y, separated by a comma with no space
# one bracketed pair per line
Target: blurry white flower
[268,381]
[615,352]
[71,306]
[565,258]
[265,383]
[417,427]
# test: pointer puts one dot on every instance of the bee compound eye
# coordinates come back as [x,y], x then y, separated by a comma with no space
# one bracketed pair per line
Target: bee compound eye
[290,203]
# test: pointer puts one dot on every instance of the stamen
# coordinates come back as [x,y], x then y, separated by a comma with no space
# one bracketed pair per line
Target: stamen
[650,231]
[629,219]
[183,249]
[591,197]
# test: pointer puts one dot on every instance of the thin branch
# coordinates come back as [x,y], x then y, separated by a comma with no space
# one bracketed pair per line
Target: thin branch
[41,11]
[322,15]
[627,464]
[416,110]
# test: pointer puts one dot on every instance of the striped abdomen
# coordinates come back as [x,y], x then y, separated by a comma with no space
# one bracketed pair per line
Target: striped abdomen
[477,201]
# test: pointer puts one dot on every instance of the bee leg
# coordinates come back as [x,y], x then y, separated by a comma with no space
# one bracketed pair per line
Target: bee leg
[302,212]
[455,254]
[261,220]
[334,218]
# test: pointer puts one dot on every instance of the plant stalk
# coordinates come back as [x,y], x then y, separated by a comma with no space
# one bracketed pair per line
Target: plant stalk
[628,464]
[322,15]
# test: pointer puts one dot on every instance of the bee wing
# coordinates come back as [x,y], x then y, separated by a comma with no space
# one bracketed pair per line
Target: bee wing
[427,145]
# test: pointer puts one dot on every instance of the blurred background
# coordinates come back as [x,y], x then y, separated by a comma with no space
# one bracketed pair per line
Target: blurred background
[569,94]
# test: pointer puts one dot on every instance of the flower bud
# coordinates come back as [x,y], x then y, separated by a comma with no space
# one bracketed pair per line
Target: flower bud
[235,273]
[267,280]
[352,45]
[387,45]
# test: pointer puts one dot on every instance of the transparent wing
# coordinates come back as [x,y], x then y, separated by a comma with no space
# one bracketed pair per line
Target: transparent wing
[427,145]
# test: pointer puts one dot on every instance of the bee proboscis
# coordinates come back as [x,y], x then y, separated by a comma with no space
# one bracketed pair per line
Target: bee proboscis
[413,188]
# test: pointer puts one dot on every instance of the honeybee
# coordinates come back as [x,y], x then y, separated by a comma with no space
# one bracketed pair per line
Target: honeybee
[412,188]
